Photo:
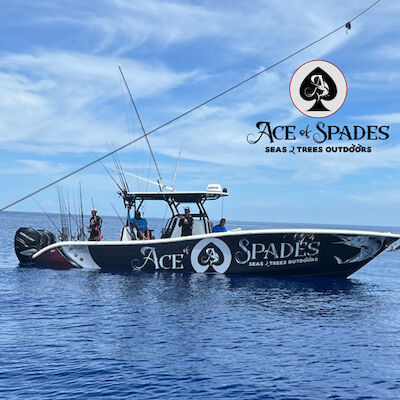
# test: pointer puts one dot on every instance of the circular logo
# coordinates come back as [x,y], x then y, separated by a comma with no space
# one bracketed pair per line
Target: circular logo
[318,89]
[212,253]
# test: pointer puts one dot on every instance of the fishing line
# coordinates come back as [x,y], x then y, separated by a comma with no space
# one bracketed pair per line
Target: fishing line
[191,110]
[48,217]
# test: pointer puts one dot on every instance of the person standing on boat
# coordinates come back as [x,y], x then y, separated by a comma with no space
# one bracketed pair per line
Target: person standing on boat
[95,227]
[140,225]
[186,223]
[221,226]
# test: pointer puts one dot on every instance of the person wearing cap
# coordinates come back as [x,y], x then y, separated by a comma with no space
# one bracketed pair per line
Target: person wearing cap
[186,223]
[95,227]
[221,226]
[140,225]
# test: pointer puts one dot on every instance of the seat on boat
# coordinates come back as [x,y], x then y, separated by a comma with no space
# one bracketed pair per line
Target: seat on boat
[129,233]
[199,228]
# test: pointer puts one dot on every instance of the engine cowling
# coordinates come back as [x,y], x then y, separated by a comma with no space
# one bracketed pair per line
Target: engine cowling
[28,241]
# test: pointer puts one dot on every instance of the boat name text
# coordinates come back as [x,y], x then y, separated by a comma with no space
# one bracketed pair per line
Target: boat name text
[321,134]
[251,252]
[166,261]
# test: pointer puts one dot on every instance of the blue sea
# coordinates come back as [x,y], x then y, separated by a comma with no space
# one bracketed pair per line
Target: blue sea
[91,335]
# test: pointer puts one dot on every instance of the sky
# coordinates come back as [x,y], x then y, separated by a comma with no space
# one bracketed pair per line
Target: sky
[63,103]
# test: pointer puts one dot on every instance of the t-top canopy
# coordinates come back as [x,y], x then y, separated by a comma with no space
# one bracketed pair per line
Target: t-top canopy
[213,192]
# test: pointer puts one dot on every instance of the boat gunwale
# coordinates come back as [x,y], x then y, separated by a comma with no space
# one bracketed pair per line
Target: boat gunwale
[215,235]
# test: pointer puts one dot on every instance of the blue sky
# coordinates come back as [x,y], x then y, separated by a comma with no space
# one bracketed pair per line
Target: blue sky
[62,101]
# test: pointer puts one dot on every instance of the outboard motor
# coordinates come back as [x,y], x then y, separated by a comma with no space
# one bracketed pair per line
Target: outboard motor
[28,241]
[48,238]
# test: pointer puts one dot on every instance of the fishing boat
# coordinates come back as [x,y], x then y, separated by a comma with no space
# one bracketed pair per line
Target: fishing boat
[285,252]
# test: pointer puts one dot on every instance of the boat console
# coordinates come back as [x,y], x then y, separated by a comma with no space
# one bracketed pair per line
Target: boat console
[133,201]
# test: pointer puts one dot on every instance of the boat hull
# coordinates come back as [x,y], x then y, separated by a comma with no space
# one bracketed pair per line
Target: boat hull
[284,252]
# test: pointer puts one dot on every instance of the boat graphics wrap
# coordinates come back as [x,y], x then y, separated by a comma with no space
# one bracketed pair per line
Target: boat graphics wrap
[211,255]
[339,253]
[367,247]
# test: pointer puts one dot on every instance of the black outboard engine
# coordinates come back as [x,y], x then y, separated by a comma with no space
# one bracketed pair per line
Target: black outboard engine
[48,238]
[28,241]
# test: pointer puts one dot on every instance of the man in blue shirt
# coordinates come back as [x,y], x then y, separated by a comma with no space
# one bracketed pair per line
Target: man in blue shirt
[221,226]
[140,225]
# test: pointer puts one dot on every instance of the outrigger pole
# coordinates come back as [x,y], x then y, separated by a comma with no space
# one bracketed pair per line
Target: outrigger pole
[143,130]
[150,181]
[191,109]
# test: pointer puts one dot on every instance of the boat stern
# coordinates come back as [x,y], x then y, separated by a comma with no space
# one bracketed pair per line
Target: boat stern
[65,255]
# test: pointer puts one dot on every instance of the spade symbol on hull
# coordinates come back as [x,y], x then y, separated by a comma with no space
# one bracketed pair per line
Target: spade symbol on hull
[318,86]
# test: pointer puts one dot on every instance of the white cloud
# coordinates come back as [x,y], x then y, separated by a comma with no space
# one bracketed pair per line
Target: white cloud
[381,119]
[97,75]
[62,101]
[34,167]
[59,101]
[388,51]
[257,27]
[386,198]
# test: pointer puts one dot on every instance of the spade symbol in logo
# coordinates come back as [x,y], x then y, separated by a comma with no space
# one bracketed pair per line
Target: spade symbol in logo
[211,255]
[318,85]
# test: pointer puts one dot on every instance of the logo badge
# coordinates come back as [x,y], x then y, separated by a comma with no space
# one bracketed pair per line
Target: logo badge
[318,89]
[211,253]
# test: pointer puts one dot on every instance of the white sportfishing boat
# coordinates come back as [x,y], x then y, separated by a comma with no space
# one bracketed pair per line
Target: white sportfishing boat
[293,252]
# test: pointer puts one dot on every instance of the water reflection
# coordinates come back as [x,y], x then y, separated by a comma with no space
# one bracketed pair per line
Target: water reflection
[283,296]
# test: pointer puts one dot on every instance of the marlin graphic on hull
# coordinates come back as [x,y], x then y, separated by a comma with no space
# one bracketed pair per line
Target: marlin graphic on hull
[368,247]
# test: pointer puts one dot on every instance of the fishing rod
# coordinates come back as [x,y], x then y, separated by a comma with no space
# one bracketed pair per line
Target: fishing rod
[121,171]
[109,173]
[346,25]
[116,212]
[69,215]
[123,223]
[61,205]
[82,221]
[74,219]
[48,216]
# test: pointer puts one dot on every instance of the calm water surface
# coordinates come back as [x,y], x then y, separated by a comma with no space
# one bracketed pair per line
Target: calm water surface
[81,335]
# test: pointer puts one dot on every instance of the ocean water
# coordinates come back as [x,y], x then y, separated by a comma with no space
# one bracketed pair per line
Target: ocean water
[91,335]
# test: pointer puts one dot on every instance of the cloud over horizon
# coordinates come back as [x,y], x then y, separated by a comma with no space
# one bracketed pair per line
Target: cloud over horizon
[62,99]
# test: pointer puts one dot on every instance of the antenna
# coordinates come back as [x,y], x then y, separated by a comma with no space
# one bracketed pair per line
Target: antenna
[176,169]
[143,130]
